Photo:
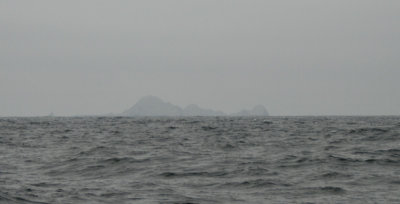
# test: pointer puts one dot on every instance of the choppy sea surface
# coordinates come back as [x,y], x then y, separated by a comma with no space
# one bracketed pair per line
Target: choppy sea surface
[200,160]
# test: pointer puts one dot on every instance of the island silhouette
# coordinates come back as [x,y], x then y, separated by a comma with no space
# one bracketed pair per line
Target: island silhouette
[154,106]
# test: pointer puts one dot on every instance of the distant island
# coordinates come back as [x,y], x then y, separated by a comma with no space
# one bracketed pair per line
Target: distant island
[154,106]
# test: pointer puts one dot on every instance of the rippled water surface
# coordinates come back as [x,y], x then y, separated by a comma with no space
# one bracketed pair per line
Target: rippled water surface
[200,160]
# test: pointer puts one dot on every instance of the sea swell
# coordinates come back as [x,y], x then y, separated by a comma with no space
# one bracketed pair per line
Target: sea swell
[200,160]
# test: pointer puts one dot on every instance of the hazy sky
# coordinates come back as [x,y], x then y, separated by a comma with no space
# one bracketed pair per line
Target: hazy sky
[299,57]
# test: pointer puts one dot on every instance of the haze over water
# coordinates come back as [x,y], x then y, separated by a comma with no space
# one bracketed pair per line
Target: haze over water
[307,57]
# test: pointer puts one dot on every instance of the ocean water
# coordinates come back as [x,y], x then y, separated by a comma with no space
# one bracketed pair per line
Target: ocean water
[200,160]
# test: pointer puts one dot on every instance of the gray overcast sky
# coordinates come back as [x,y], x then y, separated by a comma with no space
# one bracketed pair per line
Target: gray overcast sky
[299,57]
